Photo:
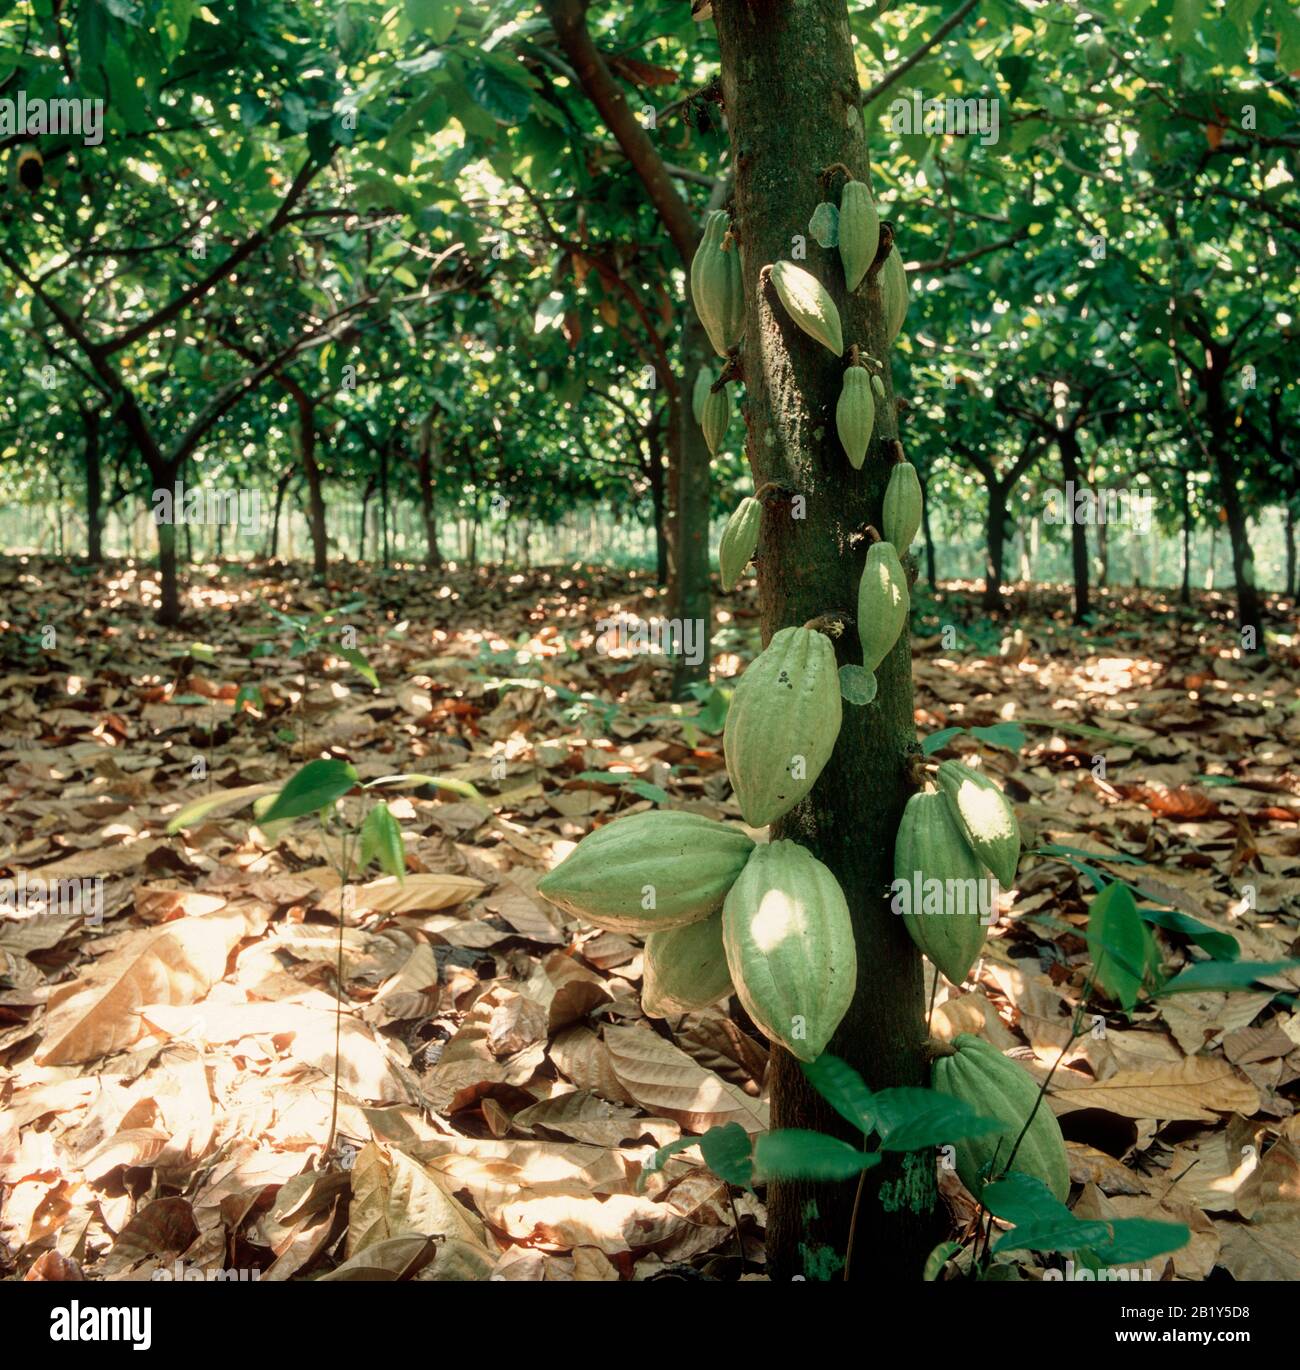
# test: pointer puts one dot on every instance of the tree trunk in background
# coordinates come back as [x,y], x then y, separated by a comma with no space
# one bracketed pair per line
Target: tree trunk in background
[791,93]
[658,502]
[1185,591]
[995,540]
[1068,441]
[311,471]
[91,421]
[384,450]
[931,575]
[281,488]
[428,458]
[1249,611]
[684,557]
[691,601]
[1103,550]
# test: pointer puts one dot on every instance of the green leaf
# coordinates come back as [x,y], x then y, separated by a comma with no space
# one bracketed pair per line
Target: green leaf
[1120,946]
[798,1154]
[857,684]
[1009,736]
[382,837]
[210,803]
[1224,976]
[1139,1239]
[727,1152]
[350,654]
[315,787]
[910,1118]
[938,1258]
[1219,944]
[842,1087]
[1042,1222]
[932,743]
[437,18]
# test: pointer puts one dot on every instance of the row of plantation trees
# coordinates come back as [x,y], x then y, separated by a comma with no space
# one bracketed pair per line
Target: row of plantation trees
[438,258]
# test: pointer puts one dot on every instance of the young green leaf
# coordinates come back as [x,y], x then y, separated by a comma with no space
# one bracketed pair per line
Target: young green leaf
[1122,949]
[317,785]
[381,837]
[798,1154]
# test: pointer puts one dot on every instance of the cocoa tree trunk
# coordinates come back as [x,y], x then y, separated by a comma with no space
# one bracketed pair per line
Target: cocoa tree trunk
[428,459]
[1185,591]
[91,421]
[1068,442]
[691,601]
[658,503]
[1250,619]
[791,95]
[995,537]
[931,575]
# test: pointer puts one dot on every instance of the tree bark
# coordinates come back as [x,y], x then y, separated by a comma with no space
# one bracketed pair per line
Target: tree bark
[428,460]
[791,93]
[995,537]
[1068,442]
[1250,618]
[91,422]
[931,575]
[691,475]
[1185,591]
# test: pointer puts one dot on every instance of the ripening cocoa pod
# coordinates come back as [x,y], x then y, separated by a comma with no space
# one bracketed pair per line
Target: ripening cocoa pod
[883,603]
[716,286]
[684,969]
[994,1085]
[859,232]
[855,415]
[703,382]
[985,816]
[809,304]
[790,947]
[943,919]
[893,291]
[782,724]
[902,514]
[738,541]
[660,869]
[715,418]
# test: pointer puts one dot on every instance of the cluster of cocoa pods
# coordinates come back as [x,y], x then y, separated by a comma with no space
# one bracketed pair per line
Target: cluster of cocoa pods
[719,913]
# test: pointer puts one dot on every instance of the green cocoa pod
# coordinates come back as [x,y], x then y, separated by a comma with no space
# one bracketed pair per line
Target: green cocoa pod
[684,969]
[809,304]
[986,817]
[790,948]
[738,541]
[855,415]
[996,1087]
[659,869]
[878,386]
[883,603]
[859,232]
[902,506]
[942,919]
[716,286]
[703,383]
[893,291]
[715,418]
[782,724]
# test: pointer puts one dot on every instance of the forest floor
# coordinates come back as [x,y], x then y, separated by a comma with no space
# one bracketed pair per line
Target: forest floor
[167,1054]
